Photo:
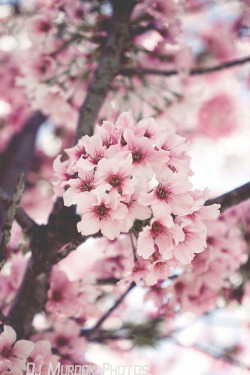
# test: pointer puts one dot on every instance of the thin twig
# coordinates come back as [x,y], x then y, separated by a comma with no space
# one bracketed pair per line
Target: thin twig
[90,331]
[193,72]
[133,246]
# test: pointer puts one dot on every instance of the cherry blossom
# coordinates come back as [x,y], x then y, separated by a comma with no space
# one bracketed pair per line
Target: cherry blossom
[13,353]
[62,295]
[101,212]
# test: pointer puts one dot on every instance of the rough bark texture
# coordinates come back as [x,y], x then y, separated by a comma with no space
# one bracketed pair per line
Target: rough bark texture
[107,69]
[18,157]
[11,213]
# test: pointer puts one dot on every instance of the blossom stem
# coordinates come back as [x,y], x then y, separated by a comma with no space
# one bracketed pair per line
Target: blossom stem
[133,246]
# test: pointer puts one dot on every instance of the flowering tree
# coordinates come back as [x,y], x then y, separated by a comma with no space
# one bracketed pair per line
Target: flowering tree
[110,98]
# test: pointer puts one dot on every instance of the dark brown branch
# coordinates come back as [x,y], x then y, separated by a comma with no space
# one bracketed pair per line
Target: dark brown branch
[18,157]
[23,219]
[45,266]
[11,213]
[129,71]
[90,331]
[232,198]
[107,69]
[4,318]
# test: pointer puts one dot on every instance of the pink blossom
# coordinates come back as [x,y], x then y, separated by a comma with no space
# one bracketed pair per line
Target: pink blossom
[66,339]
[148,128]
[38,66]
[101,212]
[107,133]
[217,116]
[62,295]
[201,212]
[76,152]
[95,151]
[193,295]
[41,357]
[124,121]
[137,274]
[135,211]
[144,156]
[177,147]
[40,26]
[61,175]
[172,192]
[161,232]
[113,174]
[158,270]
[194,241]
[13,353]
[77,187]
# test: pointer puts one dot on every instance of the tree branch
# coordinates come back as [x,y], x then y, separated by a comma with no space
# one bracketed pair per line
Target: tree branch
[18,156]
[4,318]
[231,198]
[129,71]
[23,219]
[107,69]
[10,218]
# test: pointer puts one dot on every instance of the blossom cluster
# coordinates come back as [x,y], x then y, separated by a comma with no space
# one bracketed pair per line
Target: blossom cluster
[128,174]
[14,354]
[198,288]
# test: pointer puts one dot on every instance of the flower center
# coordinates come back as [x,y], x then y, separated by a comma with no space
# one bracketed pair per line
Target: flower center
[210,240]
[161,192]
[86,186]
[7,352]
[101,211]
[156,229]
[62,341]
[179,286]
[95,160]
[57,296]
[45,26]
[137,155]
[123,141]
[160,267]
[114,180]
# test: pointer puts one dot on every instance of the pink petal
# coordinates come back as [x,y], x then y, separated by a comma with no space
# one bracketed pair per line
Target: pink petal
[9,335]
[140,212]
[183,254]
[145,245]
[89,224]
[110,229]
[23,348]
[165,246]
